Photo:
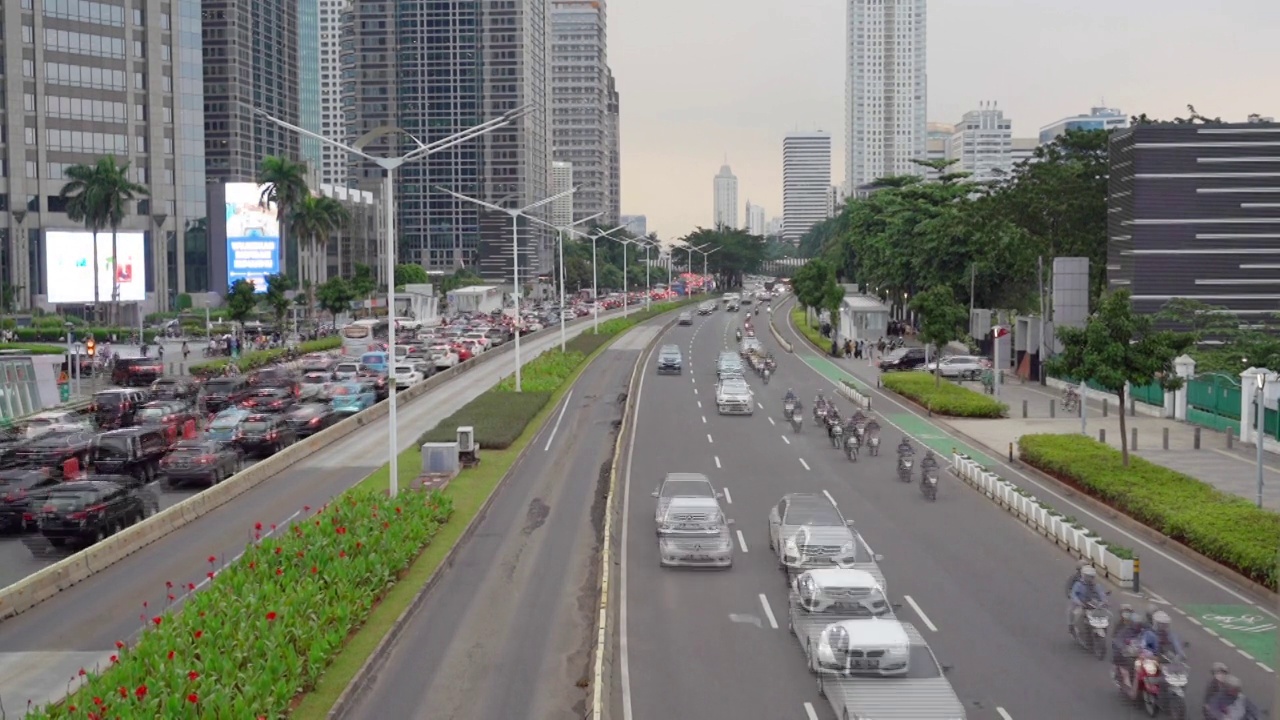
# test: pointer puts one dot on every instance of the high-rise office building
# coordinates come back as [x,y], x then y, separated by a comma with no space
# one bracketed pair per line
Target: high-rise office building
[885,90]
[333,162]
[581,84]
[83,80]
[615,150]
[755,219]
[562,179]
[982,144]
[773,228]
[310,98]
[637,225]
[1024,150]
[937,142]
[725,206]
[438,67]
[1098,118]
[806,182]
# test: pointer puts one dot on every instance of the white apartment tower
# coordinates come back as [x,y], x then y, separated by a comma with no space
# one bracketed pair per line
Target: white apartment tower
[755,219]
[806,182]
[333,163]
[561,181]
[885,90]
[982,144]
[726,199]
[581,86]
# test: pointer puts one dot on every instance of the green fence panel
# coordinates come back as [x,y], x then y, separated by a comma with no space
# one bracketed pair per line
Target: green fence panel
[1216,395]
[1212,421]
[1152,394]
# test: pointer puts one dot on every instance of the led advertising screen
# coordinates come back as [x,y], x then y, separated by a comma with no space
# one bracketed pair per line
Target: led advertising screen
[69,266]
[253,235]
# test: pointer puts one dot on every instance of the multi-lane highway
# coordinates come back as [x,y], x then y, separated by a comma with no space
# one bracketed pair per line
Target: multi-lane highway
[986,592]
[42,649]
[508,631]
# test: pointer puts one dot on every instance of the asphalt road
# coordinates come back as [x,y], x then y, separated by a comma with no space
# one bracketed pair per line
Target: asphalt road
[42,649]
[985,591]
[508,631]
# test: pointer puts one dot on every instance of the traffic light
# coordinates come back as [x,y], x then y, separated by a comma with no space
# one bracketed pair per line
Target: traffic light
[90,347]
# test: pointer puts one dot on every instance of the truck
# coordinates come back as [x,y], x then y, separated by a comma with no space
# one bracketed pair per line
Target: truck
[883,669]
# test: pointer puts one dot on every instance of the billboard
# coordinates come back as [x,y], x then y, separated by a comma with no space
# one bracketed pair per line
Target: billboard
[253,235]
[69,266]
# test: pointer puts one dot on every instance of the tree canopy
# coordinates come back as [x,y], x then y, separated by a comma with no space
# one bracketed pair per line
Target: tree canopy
[242,300]
[733,253]
[942,320]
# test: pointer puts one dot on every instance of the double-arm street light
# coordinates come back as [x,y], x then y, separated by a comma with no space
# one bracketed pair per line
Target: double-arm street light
[626,298]
[515,214]
[595,294]
[389,166]
[561,231]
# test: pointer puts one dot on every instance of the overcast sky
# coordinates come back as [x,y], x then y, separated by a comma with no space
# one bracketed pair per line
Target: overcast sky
[702,80]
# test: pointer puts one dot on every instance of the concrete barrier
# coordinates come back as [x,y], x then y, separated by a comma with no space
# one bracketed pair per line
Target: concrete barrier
[47,582]
[778,336]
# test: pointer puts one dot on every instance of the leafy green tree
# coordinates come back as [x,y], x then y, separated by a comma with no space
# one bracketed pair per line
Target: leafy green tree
[733,253]
[815,286]
[286,186]
[277,300]
[363,282]
[816,239]
[98,196]
[1118,347]
[313,219]
[242,300]
[335,296]
[411,275]
[1202,320]
[942,320]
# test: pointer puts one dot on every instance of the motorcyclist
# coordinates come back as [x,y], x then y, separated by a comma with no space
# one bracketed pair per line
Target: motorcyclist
[904,447]
[1086,590]
[1215,686]
[1160,639]
[790,396]
[929,461]
[738,335]
[1071,581]
[1129,629]
[1230,703]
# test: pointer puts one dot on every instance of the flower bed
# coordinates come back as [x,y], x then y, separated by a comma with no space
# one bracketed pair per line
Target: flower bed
[269,623]
[261,358]
[945,398]
[1222,527]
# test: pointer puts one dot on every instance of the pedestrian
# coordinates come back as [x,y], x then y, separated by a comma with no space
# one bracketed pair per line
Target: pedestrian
[185,351]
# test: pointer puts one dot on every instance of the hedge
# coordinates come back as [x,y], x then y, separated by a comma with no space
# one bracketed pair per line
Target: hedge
[261,358]
[1223,527]
[33,349]
[270,622]
[58,333]
[945,398]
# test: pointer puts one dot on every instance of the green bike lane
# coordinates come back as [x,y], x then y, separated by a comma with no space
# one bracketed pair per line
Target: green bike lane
[1243,627]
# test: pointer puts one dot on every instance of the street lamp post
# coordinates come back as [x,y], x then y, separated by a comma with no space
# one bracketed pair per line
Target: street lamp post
[561,230]
[515,214]
[705,255]
[389,166]
[626,310]
[1260,413]
[648,289]
[595,295]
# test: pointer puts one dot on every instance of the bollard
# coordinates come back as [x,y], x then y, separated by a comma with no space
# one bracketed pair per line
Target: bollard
[1137,573]
[1196,436]
[1104,407]
[1010,452]
[1165,439]
[1133,439]
[1024,408]
[1102,435]
[1231,434]
[1053,408]
[1133,407]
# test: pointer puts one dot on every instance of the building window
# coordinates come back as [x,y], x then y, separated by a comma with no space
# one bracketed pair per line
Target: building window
[30,134]
[29,68]
[28,34]
[139,112]
[33,170]
[140,81]
[139,50]
[166,83]
[164,21]
[137,17]
[29,102]
[168,146]
[166,52]
[142,147]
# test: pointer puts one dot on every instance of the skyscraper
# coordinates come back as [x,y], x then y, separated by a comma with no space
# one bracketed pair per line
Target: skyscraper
[562,179]
[581,85]
[726,199]
[982,144]
[615,150]
[806,182]
[637,225]
[333,162]
[755,219]
[885,90]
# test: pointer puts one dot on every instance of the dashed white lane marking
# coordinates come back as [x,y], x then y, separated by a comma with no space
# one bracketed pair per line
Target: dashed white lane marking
[717,462]
[704,419]
[828,494]
[923,618]
[1265,667]
[693,380]
[809,712]
[784,439]
[699,404]
[727,497]
[1004,714]
[709,439]
[742,543]
[768,611]
[695,391]
[805,464]
[759,405]
[771,422]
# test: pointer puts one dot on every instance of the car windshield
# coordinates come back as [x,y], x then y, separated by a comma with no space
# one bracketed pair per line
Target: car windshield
[813,512]
[70,499]
[687,488]
[151,414]
[222,433]
[186,451]
[373,359]
[348,368]
[255,426]
[403,370]
[109,446]
[314,379]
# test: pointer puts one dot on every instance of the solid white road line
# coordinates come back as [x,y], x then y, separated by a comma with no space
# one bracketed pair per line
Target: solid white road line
[768,611]
[785,439]
[727,497]
[1004,714]
[556,427]
[805,464]
[809,712]
[923,618]
[717,462]
[742,543]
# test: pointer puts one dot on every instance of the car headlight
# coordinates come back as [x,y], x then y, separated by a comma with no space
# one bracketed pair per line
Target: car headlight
[791,549]
[896,652]
[664,527]
[847,549]
[1150,667]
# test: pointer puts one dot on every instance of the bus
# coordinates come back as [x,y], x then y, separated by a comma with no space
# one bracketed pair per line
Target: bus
[361,336]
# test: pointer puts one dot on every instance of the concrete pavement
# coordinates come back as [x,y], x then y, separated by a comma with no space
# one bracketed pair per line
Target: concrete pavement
[986,593]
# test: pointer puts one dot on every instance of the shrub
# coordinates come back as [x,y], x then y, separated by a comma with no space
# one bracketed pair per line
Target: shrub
[57,332]
[270,622]
[32,349]
[498,417]
[261,358]
[545,373]
[1223,527]
[801,322]
[944,399]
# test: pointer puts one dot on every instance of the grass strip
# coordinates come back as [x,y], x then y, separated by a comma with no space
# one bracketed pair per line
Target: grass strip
[800,319]
[943,398]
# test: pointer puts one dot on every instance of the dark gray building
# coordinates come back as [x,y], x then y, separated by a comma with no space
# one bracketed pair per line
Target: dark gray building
[1194,212]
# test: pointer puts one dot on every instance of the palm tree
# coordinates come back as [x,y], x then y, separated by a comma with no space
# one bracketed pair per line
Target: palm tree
[286,186]
[314,219]
[96,196]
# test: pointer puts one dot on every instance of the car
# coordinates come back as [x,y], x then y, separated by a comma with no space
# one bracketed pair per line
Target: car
[407,376]
[734,397]
[733,306]
[963,367]
[686,318]
[85,512]
[269,399]
[136,371]
[52,449]
[221,393]
[694,531]
[750,345]
[310,418]
[670,361]
[115,408]
[171,414]
[443,356]
[133,452]
[729,363]
[351,397]
[695,485]
[378,381]
[169,388]
[903,359]
[346,371]
[807,530]
[54,421]
[373,361]
[225,426]
[203,461]
[22,493]
[263,434]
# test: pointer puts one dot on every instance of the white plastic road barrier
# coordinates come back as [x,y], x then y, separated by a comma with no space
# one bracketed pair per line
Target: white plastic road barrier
[863,402]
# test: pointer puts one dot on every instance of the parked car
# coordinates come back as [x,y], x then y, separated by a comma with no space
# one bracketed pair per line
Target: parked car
[903,359]
[962,367]
[85,512]
[203,461]
[310,418]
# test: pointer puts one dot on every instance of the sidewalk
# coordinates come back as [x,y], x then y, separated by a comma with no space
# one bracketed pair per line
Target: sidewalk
[1231,470]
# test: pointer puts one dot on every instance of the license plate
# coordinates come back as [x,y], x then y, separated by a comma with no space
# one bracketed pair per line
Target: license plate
[864,664]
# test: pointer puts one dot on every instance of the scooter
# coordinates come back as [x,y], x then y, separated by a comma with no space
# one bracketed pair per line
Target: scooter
[787,409]
[905,466]
[1162,684]
[851,447]
[873,444]
[795,422]
[1091,630]
[836,432]
[929,484]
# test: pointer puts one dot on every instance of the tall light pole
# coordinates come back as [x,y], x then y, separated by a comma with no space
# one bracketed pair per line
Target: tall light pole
[705,254]
[1260,414]
[626,310]
[595,296]
[648,289]
[561,231]
[515,214]
[389,166]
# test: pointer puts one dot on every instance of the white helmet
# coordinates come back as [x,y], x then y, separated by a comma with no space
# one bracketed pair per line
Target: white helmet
[1088,574]
[1160,620]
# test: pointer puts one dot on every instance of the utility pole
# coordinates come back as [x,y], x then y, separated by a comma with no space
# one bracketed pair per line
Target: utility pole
[1044,316]
[973,283]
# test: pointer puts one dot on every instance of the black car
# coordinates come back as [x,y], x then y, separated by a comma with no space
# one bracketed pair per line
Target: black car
[22,493]
[270,376]
[310,418]
[173,389]
[377,380]
[115,408]
[84,512]
[52,449]
[224,392]
[136,371]
[903,359]
[269,399]
[131,452]
[201,461]
[11,441]
[263,435]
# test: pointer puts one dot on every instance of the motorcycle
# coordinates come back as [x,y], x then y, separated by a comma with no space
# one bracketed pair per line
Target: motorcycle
[1091,630]
[851,447]
[737,334]
[836,433]
[929,483]
[905,466]
[873,444]
[765,376]
[788,407]
[1162,684]
[795,422]
[819,413]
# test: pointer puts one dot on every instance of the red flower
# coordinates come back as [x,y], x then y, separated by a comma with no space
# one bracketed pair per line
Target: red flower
[193,698]
[157,620]
[193,675]
[209,575]
[212,559]
[306,508]
[171,597]
[124,691]
[279,549]
[97,701]
[273,527]
[144,603]
[271,616]
[314,569]
[257,526]
[342,553]
[253,565]
[385,525]
[201,613]
[199,634]
[115,659]
[279,571]
[170,654]
[119,645]
[141,692]
[359,545]
[71,708]
[191,586]
[340,530]
[397,511]
[82,672]
[168,585]
[300,553]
